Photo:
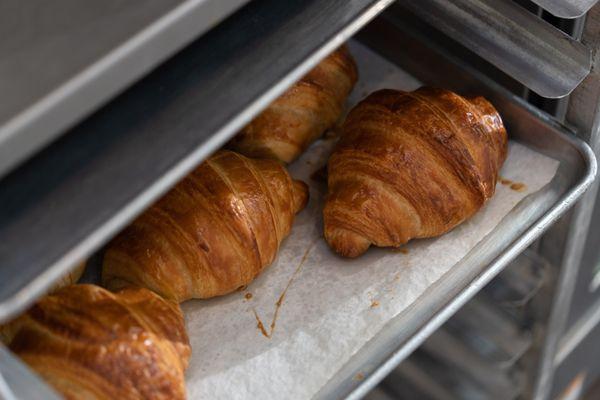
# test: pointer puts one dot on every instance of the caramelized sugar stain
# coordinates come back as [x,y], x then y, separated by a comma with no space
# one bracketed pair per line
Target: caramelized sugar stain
[402,250]
[518,187]
[359,377]
[374,303]
[259,324]
[248,296]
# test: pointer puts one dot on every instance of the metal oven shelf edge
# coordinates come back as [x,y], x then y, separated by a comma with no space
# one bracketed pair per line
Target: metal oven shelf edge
[532,51]
[566,8]
[63,59]
[74,195]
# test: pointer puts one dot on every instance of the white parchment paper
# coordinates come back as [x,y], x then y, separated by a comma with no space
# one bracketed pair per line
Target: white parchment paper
[300,321]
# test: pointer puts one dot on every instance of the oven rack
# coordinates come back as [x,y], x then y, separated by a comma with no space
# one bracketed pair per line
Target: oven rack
[532,51]
[63,59]
[70,198]
[566,8]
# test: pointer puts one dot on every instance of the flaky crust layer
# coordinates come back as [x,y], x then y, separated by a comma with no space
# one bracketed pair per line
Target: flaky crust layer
[410,165]
[303,113]
[212,233]
[89,343]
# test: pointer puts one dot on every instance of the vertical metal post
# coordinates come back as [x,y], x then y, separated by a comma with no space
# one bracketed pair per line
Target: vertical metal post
[565,242]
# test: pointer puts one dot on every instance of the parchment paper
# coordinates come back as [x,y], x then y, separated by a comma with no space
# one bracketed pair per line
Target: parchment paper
[300,321]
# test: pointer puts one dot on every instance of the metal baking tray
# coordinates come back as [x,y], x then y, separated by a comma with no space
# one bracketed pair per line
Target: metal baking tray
[62,59]
[525,223]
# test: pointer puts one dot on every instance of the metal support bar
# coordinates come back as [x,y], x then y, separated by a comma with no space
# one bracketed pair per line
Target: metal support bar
[584,113]
[561,302]
[575,336]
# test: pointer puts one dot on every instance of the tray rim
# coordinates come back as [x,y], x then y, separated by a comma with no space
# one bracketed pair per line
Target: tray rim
[563,203]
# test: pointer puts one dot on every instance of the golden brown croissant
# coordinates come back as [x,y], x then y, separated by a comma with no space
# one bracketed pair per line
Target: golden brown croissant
[410,165]
[210,235]
[89,343]
[299,116]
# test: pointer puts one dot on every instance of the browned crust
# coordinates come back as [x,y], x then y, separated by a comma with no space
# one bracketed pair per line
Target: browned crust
[87,341]
[212,233]
[303,113]
[411,165]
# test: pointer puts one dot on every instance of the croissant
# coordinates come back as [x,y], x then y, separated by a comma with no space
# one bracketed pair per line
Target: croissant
[299,116]
[89,343]
[410,165]
[210,235]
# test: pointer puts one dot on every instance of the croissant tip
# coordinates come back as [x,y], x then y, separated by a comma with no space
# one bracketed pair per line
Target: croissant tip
[350,253]
[347,243]
[301,195]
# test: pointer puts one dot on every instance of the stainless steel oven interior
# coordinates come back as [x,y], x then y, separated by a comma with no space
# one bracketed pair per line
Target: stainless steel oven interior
[518,319]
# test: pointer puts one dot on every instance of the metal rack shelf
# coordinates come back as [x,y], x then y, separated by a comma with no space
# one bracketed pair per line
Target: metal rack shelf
[63,59]
[514,288]
[453,352]
[447,366]
[493,334]
[477,353]
[74,195]
[566,8]
[533,52]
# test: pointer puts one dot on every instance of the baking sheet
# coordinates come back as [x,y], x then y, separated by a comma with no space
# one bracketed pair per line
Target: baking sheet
[288,333]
